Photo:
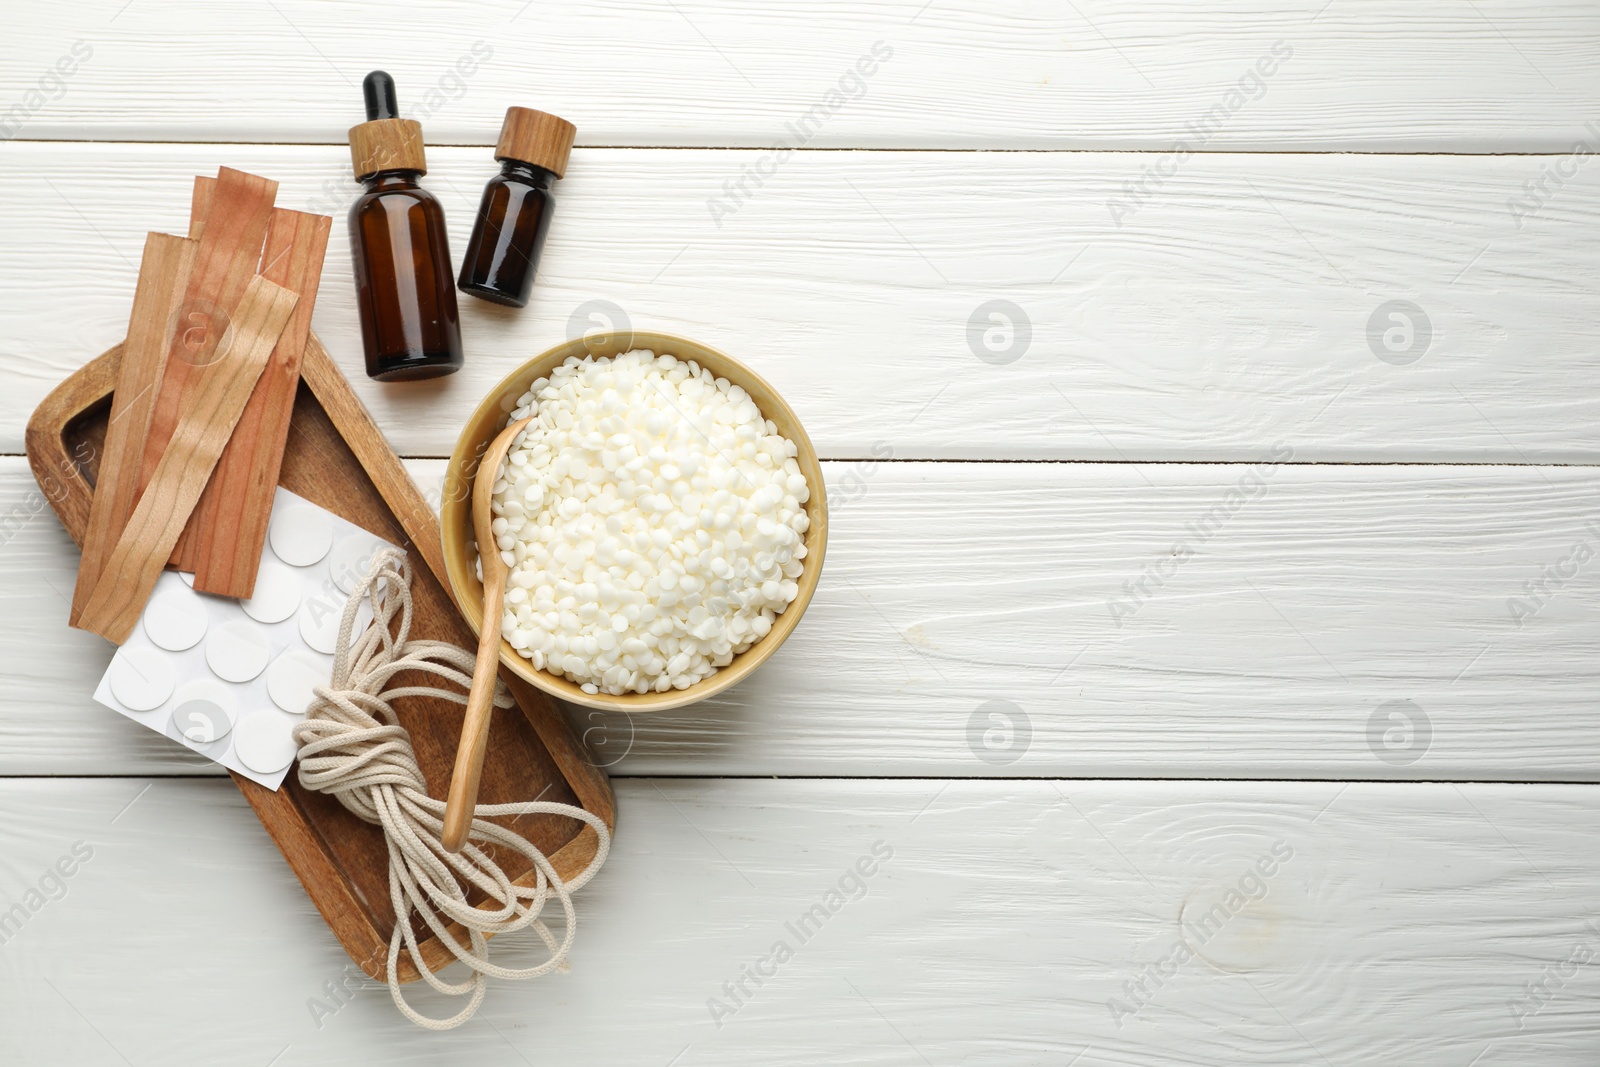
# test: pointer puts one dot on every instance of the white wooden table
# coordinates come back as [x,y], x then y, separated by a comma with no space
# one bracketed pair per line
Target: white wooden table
[1211,649]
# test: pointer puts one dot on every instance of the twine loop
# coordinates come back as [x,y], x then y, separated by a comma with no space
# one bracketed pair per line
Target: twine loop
[353,747]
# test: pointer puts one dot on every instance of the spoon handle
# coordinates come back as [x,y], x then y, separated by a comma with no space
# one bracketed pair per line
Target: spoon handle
[463,797]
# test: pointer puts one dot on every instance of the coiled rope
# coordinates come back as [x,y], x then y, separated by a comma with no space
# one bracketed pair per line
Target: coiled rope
[353,747]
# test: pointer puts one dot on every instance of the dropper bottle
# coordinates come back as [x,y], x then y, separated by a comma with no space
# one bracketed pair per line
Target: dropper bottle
[410,326]
[503,253]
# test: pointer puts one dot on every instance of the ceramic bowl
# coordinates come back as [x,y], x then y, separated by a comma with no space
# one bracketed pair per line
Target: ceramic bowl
[460,548]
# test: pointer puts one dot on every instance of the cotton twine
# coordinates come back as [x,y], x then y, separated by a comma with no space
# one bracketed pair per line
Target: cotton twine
[352,746]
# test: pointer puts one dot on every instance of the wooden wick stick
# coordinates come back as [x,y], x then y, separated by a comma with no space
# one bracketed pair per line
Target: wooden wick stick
[163,279]
[229,526]
[238,208]
[220,392]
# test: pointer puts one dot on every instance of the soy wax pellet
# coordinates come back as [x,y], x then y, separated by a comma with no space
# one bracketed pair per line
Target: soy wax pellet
[657,531]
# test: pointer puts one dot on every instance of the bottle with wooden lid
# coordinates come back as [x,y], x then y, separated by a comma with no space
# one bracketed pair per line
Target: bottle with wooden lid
[514,216]
[410,326]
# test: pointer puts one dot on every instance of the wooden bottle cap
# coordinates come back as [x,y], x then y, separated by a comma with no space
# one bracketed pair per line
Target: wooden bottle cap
[535,137]
[387,144]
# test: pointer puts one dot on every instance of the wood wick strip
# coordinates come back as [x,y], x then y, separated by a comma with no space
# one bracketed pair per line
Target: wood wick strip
[237,213]
[163,279]
[221,390]
[225,535]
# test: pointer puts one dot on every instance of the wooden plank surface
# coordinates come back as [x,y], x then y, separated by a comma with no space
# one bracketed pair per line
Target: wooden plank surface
[1491,75]
[1001,923]
[1352,236]
[1278,649]
[1230,312]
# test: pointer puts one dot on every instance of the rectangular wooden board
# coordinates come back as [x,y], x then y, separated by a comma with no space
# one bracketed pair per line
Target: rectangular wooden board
[337,457]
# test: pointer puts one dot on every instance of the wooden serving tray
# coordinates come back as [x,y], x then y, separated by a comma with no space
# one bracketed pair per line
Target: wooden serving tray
[337,457]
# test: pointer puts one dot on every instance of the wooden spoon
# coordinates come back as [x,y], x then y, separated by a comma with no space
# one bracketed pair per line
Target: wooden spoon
[463,798]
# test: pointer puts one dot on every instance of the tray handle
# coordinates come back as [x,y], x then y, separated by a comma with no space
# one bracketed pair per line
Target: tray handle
[59,470]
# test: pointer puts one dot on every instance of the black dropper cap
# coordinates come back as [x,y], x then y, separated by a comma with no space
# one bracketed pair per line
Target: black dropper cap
[377,89]
[385,141]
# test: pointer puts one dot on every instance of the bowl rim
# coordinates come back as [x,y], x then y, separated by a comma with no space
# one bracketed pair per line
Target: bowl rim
[455,510]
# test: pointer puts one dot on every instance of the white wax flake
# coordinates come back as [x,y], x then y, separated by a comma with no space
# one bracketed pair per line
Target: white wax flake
[653,521]
[212,673]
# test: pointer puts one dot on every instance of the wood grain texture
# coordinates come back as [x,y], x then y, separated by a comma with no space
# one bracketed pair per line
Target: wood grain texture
[225,261]
[1231,311]
[163,279]
[380,144]
[1398,924]
[1269,653]
[462,797]
[200,204]
[320,839]
[418,529]
[204,186]
[1185,304]
[1493,75]
[213,401]
[229,525]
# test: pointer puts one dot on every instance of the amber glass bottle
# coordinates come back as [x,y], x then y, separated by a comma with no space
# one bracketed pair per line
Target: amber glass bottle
[410,326]
[514,215]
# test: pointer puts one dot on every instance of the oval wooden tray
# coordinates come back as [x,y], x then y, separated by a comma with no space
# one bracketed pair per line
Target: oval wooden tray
[338,458]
